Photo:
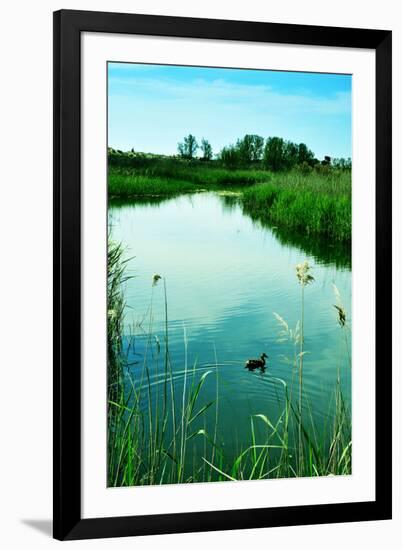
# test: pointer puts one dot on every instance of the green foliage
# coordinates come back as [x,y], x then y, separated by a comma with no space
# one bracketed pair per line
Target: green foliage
[188,148]
[292,155]
[206,149]
[274,154]
[342,164]
[126,185]
[229,156]
[116,276]
[308,204]
[250,149]
[284,155]
[151,431]
[246,152]
[305,168]
[175,176]
[304,154]
[323,169]
[307,199]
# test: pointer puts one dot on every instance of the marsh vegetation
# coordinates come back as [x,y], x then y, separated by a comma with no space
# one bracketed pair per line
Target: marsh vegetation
[229,275]
[306,198]
[182,407]
[164,428]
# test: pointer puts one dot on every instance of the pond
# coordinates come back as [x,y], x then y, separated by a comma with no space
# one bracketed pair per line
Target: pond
[226,277]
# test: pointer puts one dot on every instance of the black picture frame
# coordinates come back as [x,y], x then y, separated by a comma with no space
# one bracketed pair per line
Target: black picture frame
[68,26]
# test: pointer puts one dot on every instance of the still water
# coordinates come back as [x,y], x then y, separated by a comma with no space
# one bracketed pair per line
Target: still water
[225,277]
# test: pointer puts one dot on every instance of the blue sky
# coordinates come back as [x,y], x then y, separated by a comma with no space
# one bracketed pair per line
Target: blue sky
[151,107]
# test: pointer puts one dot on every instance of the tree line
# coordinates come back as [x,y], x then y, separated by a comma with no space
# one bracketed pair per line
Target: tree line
[274,153]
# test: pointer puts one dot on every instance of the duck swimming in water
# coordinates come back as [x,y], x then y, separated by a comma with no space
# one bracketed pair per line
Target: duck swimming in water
[254,364]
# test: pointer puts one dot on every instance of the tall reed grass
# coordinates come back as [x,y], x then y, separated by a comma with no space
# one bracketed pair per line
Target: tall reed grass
[161,431]
[313,204]
[173,179]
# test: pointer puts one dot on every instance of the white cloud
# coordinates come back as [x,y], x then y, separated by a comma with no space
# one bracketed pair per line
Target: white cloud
[254,97]
[153,114]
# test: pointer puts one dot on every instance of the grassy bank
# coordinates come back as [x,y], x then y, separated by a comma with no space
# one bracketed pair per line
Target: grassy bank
[132,186]
[313,204]
[316,202]
[173,178]
[156,428]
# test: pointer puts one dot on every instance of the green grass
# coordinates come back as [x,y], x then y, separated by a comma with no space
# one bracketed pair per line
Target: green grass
[125,184]
[136,185]
[313,204]
[164,177]
[115,314]
[152,427]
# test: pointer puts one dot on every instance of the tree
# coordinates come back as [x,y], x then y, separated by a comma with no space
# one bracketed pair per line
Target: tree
[206,149]
[244,148]
[285,155]
[229,156]
[274,154]
[291,154]
[305,155]
[257,147]
[188,148]
[342,164]
[250,148]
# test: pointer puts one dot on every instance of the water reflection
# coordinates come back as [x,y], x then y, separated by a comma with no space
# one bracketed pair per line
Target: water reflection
[323,250]
[226,275]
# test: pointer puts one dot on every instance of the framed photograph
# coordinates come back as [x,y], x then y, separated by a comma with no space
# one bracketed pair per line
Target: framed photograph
[222,274]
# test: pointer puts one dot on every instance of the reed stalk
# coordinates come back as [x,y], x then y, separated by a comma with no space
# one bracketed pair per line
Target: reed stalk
[150,438]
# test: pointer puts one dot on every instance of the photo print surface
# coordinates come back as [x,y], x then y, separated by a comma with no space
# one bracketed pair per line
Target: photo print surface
[229,274]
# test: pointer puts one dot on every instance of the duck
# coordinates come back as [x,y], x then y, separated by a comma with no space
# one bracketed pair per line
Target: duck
[253,364]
